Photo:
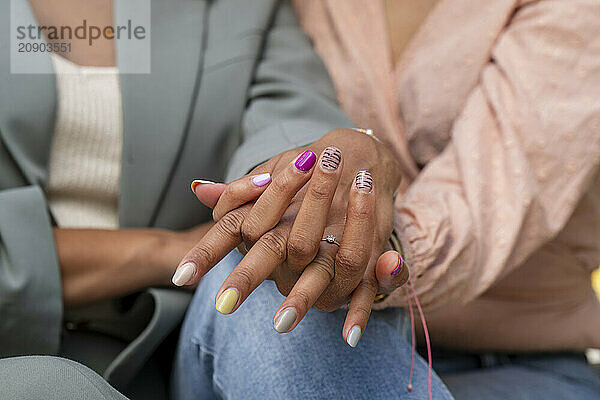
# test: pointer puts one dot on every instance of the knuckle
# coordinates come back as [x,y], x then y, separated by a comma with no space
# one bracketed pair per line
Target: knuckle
[250,231]
[363,311]
[244,279]
[350,261]
[302,299]
[300,248]
[360,213]
[231,223]
[325,267]
[204,254]
[281,185]
[320,190]
[275,243]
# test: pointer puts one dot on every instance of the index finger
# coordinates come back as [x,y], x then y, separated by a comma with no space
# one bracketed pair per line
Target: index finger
[223,237]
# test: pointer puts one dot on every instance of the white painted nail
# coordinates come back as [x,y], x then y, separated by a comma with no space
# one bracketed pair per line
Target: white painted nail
[200,182]
[285,320]
[197,181]
[184,273]
[353,336]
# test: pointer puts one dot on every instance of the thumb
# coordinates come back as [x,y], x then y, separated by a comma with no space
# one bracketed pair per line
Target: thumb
[391,271]
[208,192]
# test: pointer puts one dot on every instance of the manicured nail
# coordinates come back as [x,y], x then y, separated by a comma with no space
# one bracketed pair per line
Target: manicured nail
[262,179]
[399,267]
[364,181]
[227,301]
[332,157]
[285,320]
[184,273]
[353,336]
[200,182]
[306,161]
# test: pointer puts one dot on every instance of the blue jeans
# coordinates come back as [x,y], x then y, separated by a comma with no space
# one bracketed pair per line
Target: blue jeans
[518,377]
[240,356]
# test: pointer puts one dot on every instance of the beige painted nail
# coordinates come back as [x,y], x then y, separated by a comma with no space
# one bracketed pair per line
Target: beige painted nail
[227,301]
[285,320]
[183,274]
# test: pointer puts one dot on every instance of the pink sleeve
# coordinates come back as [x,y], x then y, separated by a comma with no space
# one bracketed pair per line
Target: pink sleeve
[524,149]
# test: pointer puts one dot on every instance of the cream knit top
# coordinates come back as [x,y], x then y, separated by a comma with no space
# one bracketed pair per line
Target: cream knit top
[85,154]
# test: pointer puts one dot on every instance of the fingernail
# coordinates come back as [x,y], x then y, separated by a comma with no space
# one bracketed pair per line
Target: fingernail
[364,181]
[306,161]
[200,182]
[285,320]
[184,273]
[353,336]
[399,267]
[262,179]
[227,301]
[332,157]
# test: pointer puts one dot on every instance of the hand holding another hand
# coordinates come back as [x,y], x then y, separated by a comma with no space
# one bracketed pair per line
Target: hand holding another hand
[346,193]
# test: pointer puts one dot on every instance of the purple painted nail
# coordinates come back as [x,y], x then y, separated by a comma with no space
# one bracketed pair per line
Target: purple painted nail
[306,161]
[364,181]
[262,179]
[399,267]
[332,157]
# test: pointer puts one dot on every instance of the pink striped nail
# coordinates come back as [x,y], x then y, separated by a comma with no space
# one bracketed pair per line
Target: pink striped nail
[331,159]
[364,181]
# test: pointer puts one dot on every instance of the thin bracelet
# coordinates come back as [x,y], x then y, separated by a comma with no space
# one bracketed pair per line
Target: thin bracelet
[368,132]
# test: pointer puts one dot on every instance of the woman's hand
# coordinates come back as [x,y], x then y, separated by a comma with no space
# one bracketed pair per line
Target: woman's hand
[390,271]
[284,228]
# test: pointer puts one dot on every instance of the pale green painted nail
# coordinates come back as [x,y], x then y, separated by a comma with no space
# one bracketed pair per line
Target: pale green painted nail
[285,320]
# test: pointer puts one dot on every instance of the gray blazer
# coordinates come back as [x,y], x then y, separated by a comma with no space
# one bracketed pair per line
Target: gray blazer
[232,83]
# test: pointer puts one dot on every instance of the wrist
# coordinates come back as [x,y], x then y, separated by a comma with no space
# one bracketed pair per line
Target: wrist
[166,250]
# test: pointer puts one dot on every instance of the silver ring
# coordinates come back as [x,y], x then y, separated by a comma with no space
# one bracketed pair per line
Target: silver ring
[330,239]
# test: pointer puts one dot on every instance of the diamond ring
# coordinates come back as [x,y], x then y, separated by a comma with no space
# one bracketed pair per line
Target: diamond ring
[330,239]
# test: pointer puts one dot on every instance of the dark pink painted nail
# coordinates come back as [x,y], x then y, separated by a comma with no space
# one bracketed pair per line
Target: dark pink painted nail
[398,268]
[306,161]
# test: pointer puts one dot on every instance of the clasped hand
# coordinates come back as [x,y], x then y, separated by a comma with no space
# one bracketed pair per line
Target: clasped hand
[278,216]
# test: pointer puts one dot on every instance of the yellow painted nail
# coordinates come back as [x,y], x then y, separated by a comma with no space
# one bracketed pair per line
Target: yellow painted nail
[226,301]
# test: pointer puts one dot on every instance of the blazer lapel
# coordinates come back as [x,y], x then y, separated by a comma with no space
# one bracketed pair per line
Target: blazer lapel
[27,102]
[156,106]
